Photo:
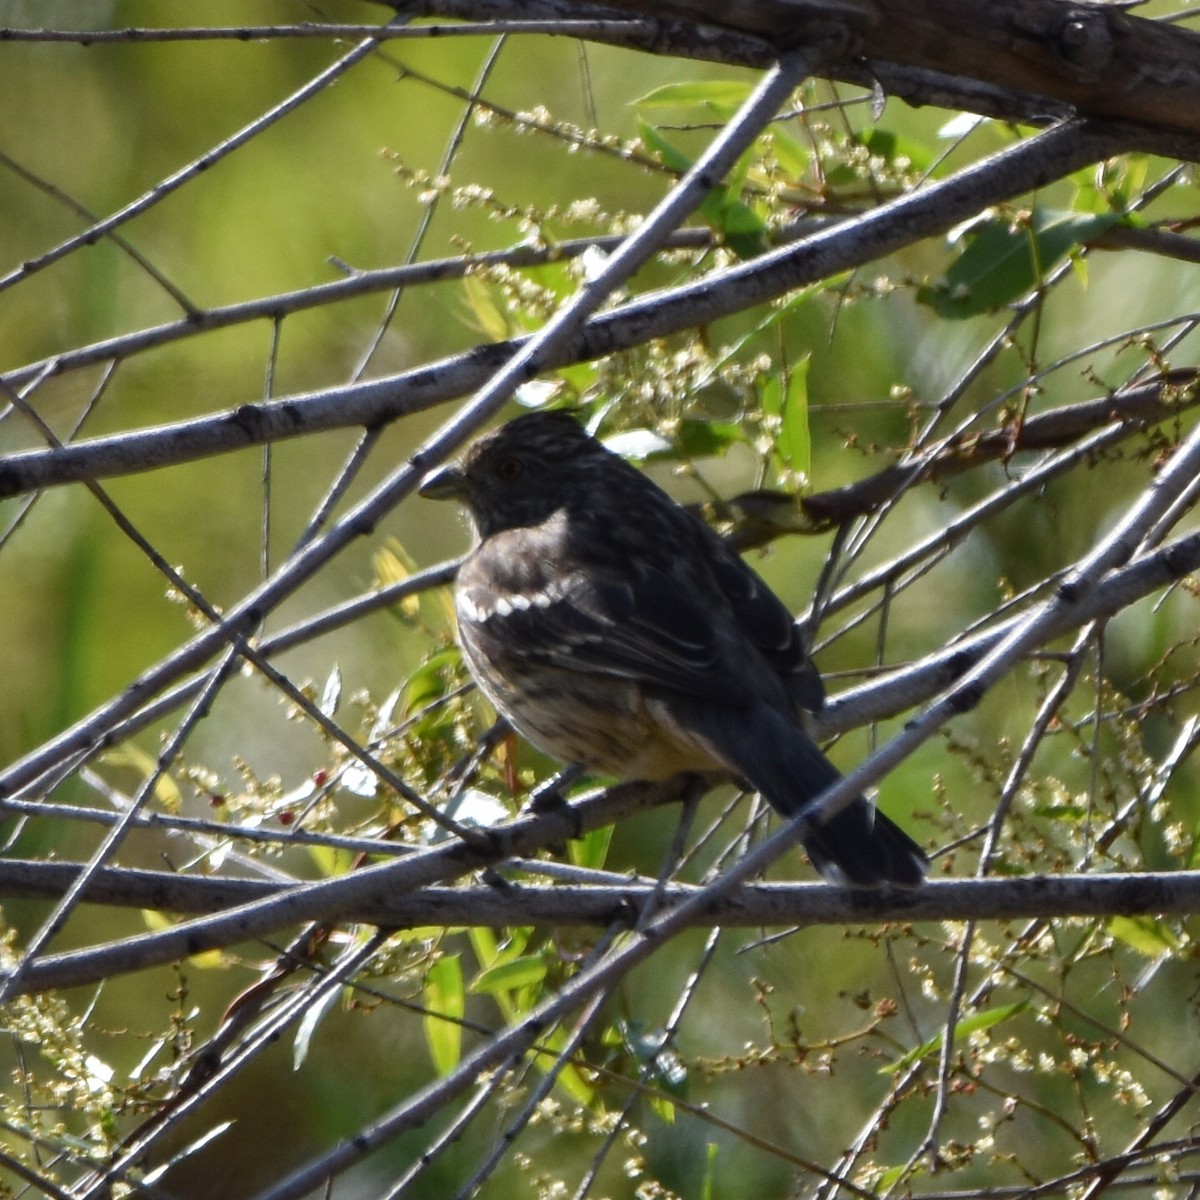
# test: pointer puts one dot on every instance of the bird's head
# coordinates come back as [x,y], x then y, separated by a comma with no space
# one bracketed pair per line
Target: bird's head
[519,474]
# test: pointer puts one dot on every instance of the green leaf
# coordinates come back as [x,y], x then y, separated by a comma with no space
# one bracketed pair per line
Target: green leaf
[972,1024]
[1062,811]
[890,1178]
[591,850]
[332,861]
[1002,263]
[707,439]
[671,156]
[493,958]
[314,1014]
[516,973]
[443,999]
[711,1151]
[206,960]
[487,313]
[428,681]
[793,439]
[570,1078]
[742,229]
[775,315]
[1147,935]
[1120,181]
[792,156]
[1056,232]
[723,93]
[485,945]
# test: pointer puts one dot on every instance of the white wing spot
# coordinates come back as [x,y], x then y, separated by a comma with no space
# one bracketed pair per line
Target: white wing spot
[476,608]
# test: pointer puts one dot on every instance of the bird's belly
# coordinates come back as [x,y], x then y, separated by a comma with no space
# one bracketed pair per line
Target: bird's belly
[600,722]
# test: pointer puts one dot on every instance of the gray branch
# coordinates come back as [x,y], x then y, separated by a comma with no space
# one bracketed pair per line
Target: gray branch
[506,902]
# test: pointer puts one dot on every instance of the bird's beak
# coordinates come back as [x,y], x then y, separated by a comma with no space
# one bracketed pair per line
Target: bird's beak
[444,483]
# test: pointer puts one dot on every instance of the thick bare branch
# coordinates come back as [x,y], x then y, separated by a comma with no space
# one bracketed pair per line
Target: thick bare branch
[331,899]
[1097,58]
[1031,61]
[767,904]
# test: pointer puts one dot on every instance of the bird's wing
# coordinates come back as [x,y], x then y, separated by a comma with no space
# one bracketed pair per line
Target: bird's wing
[689,615]
[765,620]
[639,622]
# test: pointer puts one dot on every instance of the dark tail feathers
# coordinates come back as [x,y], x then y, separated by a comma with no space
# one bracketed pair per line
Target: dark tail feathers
[860,846]
[863,848]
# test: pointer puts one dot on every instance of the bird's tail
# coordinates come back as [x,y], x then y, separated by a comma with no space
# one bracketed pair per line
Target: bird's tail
[859,846]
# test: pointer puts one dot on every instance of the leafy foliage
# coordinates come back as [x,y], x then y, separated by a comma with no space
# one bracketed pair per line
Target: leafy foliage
[932,438]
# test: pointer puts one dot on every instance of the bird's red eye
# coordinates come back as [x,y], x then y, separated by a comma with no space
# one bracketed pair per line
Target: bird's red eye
[509,468]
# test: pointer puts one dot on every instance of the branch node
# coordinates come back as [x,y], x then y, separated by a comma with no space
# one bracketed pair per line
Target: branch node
[1084,42]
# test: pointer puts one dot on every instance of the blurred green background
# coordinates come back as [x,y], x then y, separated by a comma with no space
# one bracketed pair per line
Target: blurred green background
[82,612]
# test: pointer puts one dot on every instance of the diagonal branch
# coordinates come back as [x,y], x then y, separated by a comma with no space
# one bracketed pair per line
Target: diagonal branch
[890,227]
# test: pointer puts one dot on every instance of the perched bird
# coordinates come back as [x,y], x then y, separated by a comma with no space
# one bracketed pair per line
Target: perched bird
[615,630]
